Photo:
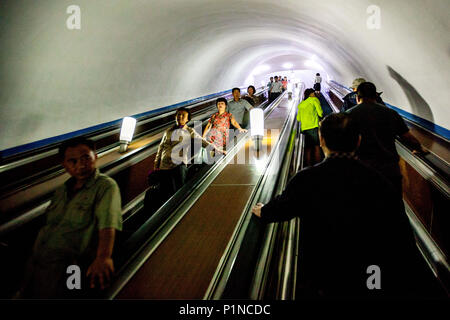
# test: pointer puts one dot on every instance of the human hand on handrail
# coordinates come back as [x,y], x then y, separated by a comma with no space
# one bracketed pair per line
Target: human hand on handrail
[256,210]
[421,152]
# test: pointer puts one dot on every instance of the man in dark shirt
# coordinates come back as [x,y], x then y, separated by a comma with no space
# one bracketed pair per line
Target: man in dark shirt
[350,98]
[379,127]
[360,224]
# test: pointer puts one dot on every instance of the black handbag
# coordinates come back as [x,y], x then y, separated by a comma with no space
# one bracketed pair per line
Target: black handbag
[154,179]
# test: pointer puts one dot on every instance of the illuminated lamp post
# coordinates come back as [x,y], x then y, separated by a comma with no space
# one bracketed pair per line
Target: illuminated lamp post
[257,126]
[126,133]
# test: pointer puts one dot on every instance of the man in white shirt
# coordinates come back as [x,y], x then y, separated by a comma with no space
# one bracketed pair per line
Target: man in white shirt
[277,88]
[317,81]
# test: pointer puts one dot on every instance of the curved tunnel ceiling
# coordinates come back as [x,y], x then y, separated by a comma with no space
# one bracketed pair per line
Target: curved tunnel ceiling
[133,56]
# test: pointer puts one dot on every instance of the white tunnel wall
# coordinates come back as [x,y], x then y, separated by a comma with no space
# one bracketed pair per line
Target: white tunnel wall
[132,56]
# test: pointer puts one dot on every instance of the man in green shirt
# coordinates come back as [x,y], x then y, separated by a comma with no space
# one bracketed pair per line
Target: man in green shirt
[82,220]
[309,114]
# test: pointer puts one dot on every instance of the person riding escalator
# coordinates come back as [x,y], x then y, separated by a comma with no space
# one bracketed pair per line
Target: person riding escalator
[170,170]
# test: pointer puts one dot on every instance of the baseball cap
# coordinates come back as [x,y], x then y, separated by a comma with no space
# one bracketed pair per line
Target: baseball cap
[357,82]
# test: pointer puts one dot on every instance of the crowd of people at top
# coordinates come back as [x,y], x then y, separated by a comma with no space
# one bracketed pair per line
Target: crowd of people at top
[276,86]
[359,223]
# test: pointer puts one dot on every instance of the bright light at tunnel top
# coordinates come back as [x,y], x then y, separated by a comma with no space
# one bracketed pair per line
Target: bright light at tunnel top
[313,64]
[288,65]
[260,69]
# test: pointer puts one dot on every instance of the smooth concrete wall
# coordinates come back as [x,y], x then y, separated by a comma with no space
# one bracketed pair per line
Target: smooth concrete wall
[131,56]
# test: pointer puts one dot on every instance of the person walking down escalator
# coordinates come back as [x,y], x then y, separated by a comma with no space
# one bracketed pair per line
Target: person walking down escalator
[317,82]
[284,83]
[277,88]
[350,99]
[170,171]
[355,242]
[239,108]
[379,127]
[251,98]
[309,114]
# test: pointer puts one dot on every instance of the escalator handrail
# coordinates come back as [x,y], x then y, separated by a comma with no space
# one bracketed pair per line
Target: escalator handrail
[56,170]
[288,255]
[110,168]
[176,210]
[51,148]
[435,257]
[331,103]
[290,249]
[338,93]
[420,165]
[263,189]
[286,287]
[424,167]
[259,283]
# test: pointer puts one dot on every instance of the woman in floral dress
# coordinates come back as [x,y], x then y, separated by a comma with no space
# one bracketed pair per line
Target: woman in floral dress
[218,125]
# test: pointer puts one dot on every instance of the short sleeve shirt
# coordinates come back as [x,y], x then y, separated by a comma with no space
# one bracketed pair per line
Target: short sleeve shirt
[277,87]
[73,223]
[237,109]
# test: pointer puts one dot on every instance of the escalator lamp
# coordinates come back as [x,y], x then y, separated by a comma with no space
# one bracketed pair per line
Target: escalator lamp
[127,131]
[257,122]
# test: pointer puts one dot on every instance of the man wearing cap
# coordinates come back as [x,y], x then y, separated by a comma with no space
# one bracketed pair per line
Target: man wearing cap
[350,99]
[379,127]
